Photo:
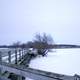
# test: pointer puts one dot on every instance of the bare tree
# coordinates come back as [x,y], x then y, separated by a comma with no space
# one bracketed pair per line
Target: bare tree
[41,41]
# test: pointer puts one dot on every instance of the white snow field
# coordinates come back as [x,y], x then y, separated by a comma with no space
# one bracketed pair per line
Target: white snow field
[63,61]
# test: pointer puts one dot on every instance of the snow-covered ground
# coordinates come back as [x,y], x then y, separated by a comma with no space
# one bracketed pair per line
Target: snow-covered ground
[63,61]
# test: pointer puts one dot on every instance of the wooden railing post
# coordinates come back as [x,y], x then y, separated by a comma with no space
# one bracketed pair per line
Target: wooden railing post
[76,77]
[22,53]
[0,56]
[20,78]
[19,54]
[9,56]
[15,56]
[0,61]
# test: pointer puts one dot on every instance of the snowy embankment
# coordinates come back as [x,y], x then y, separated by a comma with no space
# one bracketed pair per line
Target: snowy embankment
[63,61]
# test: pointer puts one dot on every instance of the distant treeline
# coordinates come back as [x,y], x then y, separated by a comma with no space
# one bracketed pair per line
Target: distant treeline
[54,46]
[41,41]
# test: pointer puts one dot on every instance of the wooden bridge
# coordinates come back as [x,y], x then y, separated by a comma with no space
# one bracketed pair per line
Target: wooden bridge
[14,65]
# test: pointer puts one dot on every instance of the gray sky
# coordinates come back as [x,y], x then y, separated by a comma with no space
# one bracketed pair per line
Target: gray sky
[21,19]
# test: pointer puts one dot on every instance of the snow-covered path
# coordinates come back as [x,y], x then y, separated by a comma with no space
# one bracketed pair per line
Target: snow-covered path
[63,61]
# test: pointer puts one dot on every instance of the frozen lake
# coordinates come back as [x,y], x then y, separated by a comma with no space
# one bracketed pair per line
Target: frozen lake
[63,61]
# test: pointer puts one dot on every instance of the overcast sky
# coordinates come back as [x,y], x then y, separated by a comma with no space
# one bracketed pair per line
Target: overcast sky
[21,19]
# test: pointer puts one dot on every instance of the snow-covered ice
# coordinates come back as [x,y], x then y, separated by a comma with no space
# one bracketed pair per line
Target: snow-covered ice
[63,61]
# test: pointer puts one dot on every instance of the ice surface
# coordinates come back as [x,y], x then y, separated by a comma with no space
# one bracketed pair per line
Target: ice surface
[63,61]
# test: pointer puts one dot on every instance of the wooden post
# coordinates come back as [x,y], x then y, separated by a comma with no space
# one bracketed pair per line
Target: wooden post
[19,54]
[0,61]
[22,53]
[9,58]
[15,56]
[0,56]
[76,77]
[21,78]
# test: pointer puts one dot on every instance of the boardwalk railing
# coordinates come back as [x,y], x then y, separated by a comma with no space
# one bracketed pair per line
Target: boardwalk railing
[12,56]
